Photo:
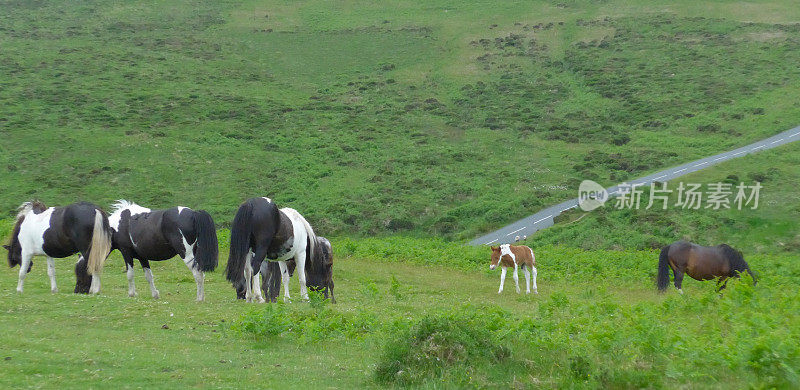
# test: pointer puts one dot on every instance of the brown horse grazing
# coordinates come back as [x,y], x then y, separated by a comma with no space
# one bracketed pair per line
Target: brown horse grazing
[701,263]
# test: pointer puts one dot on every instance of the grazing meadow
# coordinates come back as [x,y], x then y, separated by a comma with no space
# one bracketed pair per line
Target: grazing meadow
[418,312]
[401,131]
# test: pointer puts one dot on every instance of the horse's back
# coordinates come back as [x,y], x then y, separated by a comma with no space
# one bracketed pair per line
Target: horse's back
[524,255]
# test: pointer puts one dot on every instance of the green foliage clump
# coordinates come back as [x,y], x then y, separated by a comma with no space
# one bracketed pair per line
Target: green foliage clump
[451,345]
[317,322]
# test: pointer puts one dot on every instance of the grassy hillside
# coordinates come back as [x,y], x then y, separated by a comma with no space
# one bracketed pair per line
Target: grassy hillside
[415,312]
[438,117]
[772,227]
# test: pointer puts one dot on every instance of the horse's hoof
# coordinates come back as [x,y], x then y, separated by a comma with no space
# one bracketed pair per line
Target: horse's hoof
[156,295]
[131,295]
[53,290]
[19,290]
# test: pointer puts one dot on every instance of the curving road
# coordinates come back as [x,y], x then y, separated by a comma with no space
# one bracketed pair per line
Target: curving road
[544,219]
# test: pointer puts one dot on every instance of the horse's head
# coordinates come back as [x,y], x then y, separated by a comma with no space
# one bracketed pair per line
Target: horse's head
[14,253]
[14,248]
[496,255]
[319,271]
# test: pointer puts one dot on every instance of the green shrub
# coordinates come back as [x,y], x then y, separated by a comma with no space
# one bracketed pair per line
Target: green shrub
[450,344]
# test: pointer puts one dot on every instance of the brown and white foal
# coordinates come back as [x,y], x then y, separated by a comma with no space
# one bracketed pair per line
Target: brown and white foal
[515,256]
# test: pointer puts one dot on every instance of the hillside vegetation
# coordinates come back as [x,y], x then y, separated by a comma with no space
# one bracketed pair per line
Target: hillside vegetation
[411,312]
[771,227]
[436,117]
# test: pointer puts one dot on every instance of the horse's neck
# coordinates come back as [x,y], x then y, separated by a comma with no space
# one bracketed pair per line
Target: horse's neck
[284,233]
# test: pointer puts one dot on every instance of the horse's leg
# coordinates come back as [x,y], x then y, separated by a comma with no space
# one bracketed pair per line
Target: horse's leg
[199,277]
[502,278]
[300,270]
[95,286]
[129,272]
[256,263]
[148,274]
[533,275]
[722,282]
[23,269]
[678,279]
[51,272]
[248,277]
[285,278]
[516,277]
[526,271]
[258,296]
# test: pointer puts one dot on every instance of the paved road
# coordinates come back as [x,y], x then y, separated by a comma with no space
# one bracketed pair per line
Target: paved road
[544,219]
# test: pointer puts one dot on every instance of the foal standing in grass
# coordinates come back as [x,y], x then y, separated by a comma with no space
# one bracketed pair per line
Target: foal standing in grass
[515,256]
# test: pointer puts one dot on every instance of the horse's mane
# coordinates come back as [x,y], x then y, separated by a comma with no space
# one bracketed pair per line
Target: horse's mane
[35,206]
[735,258]
[121,204]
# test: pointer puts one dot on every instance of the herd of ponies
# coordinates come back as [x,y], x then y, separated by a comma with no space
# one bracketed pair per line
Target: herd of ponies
[265,242]
[259,231]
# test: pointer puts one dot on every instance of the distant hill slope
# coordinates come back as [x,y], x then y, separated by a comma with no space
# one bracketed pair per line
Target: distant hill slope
[771,227]
[432,118]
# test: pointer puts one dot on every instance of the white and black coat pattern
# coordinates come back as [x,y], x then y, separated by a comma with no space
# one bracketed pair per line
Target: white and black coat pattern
[155,235]
[260,231]
[271,274]
[58,232]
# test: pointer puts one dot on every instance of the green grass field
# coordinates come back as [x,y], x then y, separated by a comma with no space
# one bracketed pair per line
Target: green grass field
[400,131]
[596,322]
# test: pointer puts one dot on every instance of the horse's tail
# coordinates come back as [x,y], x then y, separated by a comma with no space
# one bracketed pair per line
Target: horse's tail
[207,247]
[271,281]
[663,269]
[101,244]
[241,229]
[312,238]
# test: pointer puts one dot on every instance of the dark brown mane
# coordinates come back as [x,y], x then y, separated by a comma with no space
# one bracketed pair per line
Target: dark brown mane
[38,207]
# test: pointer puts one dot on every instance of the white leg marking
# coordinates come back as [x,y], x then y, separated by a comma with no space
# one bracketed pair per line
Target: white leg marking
[95,285]
[502,278]
[527,280]
[148,274]
[248,278]
[257,285]
[300,270]
[516,277]
[533,276]
[23,270]
[191,263]
[51,272]
[285,278]
[131,285]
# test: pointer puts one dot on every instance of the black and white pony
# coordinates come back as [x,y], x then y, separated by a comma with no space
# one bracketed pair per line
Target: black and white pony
[58,232]
[260,231]
[271,274]
[155,235]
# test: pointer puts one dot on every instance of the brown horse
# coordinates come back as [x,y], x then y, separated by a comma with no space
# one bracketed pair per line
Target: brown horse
[515,256]
[701,263]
